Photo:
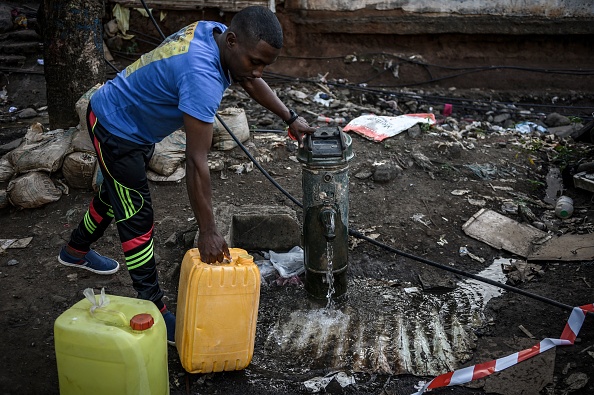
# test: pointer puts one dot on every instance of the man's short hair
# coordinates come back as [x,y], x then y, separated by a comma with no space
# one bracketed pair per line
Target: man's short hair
[257,23]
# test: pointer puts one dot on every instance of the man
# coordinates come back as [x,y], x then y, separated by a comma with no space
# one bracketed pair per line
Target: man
[179,83]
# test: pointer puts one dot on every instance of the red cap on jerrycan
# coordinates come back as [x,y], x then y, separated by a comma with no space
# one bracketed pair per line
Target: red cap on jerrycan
[141,322]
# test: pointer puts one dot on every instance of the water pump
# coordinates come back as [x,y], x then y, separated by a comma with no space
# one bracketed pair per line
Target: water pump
[324,157]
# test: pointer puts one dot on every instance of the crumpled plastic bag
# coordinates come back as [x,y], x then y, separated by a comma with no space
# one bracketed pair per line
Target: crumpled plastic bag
[529,127]
[267,270]
[318,384]
[378,128]
[288,264]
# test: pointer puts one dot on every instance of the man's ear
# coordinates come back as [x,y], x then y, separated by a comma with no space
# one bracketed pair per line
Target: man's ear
[231,39]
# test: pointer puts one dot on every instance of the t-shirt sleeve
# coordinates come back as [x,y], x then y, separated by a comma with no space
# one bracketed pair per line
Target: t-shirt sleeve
[200,95]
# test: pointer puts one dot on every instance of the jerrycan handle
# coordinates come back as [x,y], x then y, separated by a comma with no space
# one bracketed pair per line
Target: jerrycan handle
[120,318]
[242,259]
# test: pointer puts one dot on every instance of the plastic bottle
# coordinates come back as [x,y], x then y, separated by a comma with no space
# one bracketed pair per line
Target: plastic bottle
[328,120]
[564,207]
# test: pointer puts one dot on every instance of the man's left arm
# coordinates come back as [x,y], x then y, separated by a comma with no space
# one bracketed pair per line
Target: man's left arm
[259,90]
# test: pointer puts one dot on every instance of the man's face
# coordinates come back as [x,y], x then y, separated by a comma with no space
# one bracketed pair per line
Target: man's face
[247,60]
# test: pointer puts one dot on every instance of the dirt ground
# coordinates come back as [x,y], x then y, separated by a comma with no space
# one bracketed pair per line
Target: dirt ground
[35,289]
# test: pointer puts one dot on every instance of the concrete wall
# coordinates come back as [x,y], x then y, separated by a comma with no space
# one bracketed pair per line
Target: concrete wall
[508,44]
[544,8]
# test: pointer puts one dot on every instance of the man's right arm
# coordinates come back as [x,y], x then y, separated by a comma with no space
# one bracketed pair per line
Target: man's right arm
[211,244]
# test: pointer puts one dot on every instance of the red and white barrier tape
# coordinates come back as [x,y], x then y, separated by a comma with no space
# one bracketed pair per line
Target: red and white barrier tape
[465,375]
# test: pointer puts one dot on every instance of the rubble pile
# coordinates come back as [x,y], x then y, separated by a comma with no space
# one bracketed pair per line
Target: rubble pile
[551,140]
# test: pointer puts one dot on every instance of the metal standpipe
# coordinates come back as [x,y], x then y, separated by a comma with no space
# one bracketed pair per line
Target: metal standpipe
[324,157]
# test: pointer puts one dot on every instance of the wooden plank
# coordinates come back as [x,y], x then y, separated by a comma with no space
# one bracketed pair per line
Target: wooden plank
[223,5]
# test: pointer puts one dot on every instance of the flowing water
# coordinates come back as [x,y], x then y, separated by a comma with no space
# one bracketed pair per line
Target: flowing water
[330,275]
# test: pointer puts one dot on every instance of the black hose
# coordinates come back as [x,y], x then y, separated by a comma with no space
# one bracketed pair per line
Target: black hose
[150,14]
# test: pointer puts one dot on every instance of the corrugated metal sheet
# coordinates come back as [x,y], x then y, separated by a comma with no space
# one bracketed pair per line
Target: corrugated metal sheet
[223,5]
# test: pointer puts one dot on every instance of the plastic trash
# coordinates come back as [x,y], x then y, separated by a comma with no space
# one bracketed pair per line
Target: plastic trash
[318,384]
[267,270]
[323,99]
[288,264]
[529,127]
[378,128]
[564,207]
[337,120]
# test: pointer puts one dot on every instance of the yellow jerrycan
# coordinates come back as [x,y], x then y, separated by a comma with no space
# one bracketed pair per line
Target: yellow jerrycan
[112,345]
[217,311]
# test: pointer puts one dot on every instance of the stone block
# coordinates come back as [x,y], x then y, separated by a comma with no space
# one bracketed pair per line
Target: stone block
[259,227]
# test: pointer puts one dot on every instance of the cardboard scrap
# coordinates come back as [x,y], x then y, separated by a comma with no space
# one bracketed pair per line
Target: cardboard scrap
[14,243]
[524,240]
[566,248]
[503,233]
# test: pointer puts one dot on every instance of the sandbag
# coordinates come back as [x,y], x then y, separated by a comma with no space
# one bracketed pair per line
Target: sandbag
[41,151]
[236,120]
[97,178]
[78,169]
[81,142]
[82,104]
[169,154]
[177,175]
[32,190]
[6,169]
[3,198]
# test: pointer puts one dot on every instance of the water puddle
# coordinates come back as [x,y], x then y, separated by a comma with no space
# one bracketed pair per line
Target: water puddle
[384,329]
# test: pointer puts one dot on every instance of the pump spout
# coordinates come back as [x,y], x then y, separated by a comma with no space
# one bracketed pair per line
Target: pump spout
[327,216]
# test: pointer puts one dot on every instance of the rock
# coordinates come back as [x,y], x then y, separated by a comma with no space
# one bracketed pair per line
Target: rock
[12,262]
[412,105]
[500,118]
[415,131]
[363,175]
[298,96]
[266,121]
[10,146]
[555,119]
[386,172]
[27,113]
[508,124]
[571,130]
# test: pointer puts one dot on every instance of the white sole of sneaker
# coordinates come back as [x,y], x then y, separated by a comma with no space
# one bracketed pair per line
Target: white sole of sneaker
[112,271]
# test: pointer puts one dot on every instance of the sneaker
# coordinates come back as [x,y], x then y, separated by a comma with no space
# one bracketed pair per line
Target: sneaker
[91,261]
[170,324]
